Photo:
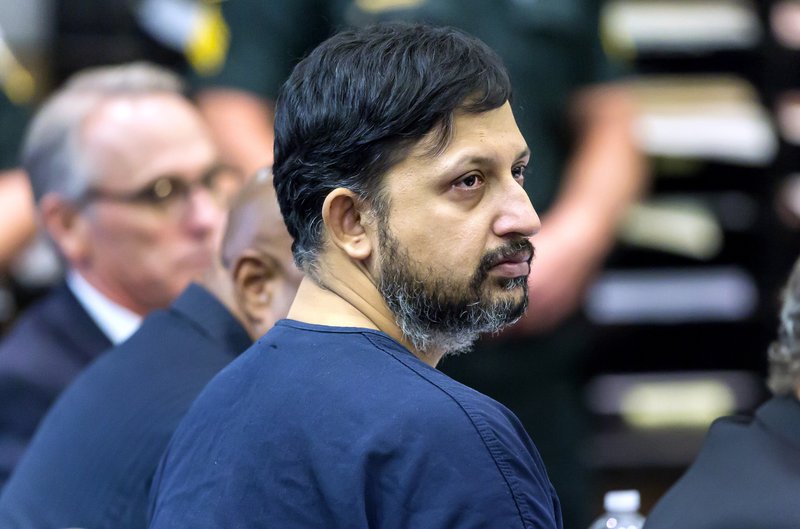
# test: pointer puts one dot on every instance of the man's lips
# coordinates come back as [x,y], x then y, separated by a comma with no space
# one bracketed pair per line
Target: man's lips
[514,265]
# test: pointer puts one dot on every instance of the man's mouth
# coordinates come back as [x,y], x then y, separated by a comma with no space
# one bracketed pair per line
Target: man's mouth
[514,265]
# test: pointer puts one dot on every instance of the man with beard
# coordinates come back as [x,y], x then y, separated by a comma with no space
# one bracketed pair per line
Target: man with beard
[399,169]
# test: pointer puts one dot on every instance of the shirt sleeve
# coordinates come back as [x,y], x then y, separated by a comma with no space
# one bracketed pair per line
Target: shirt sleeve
[460,471]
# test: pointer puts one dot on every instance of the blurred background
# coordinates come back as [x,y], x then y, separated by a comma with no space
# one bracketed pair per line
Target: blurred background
[685,306]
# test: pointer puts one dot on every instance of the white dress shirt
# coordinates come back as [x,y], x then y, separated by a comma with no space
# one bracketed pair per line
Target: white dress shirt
[116,321]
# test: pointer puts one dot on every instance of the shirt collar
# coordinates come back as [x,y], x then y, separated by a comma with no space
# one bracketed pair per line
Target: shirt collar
[116,321]
[211,316]
[781,415]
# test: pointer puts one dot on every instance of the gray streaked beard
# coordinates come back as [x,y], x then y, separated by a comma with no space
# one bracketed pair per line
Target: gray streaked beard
[441,315]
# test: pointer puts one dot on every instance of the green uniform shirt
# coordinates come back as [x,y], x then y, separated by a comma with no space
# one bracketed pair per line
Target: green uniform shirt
[13,120]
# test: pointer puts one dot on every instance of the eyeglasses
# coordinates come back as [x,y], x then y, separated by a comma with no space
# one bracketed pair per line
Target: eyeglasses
[221,181]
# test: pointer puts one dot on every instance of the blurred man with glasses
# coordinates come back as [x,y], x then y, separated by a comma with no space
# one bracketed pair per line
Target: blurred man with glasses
[129,187]
[92,459]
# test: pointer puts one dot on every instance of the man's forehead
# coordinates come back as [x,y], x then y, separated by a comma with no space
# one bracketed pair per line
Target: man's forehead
[135,128]
[470,129]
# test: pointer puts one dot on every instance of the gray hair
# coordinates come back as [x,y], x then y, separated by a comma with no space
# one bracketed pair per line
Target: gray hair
[784,352]
[51,153]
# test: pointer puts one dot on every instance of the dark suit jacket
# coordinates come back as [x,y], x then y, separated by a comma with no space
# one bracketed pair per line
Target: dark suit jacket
[48,346]
[746,476]
[93,457]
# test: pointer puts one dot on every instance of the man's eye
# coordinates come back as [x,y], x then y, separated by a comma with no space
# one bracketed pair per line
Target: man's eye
[519,173]
[163,190]
[222,181]
[470,182]
[211,179]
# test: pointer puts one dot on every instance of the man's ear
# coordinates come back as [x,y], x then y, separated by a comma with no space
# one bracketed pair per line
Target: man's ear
[253,287]
[68,228]
[346,224]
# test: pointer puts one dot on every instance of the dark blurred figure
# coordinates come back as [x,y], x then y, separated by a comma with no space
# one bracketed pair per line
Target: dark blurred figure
[88,33]
[584,171]
[16,205]
[129,187]
[92,460]
[748,471]
[16,201]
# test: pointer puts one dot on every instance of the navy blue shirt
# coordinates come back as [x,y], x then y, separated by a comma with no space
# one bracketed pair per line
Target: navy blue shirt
[92,460]
[329,427]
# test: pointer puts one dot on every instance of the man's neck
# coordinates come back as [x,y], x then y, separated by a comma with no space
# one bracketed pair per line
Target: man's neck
[113,291]
[116,322]
[348,297]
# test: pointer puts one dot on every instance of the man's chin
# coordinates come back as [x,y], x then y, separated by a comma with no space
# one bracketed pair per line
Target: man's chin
[506,306]
[507,289]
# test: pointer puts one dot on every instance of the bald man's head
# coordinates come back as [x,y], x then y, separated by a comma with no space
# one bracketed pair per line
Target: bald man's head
[256,254]
[255,221]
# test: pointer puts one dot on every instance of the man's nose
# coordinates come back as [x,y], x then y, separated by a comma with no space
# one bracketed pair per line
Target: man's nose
[204,213]
[517,216]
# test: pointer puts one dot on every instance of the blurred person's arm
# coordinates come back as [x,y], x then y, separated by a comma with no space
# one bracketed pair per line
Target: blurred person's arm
[605,174]
[266,40]
[242,126]
[17,216]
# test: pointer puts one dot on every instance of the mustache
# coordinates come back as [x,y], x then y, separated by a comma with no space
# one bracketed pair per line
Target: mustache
[498,255]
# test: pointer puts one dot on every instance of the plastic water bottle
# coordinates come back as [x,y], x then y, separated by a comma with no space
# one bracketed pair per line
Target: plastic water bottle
[622,511]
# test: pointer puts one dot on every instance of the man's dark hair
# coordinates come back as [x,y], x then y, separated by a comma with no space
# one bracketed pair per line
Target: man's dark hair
[355,106]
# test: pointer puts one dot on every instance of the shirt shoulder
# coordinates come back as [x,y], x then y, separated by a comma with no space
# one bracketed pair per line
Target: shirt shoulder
[356,411]
[498,436]
[114,421]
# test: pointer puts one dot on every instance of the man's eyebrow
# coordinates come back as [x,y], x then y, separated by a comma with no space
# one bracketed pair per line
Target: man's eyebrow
[473,158]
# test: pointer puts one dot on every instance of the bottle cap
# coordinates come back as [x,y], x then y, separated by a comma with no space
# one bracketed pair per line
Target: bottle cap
[621,501]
